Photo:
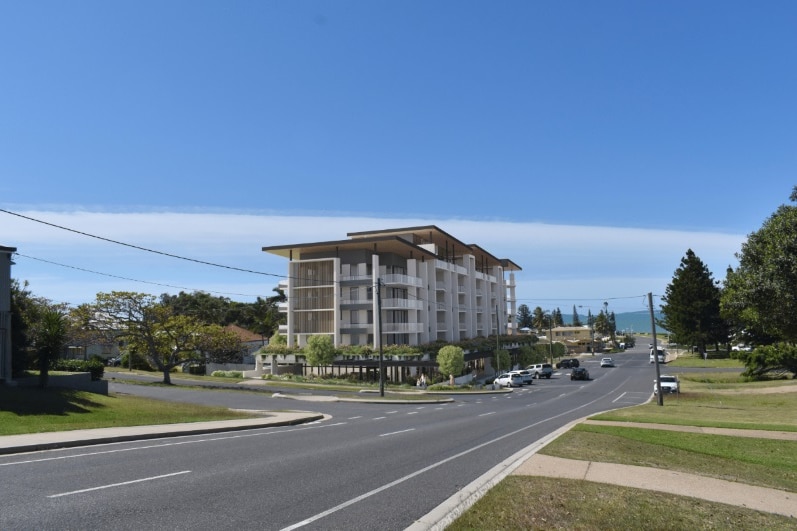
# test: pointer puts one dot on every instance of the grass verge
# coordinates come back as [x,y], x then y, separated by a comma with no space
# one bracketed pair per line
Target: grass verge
[541,503]
[34,410]
[527,502]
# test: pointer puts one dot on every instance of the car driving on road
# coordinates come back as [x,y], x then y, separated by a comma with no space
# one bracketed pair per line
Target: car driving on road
[607,362]
[567,363]
[509,380]
[579,373]
[541,370]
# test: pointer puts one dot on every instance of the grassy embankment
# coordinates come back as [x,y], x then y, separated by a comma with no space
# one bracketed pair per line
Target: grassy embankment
[712,400]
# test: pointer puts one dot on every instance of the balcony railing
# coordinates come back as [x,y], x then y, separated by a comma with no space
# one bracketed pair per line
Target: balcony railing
[406,304]
[355,278]
[402,328]
[403,280]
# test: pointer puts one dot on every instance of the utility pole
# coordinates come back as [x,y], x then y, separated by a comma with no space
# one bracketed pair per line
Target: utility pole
[550,335]
[379,311]
[655,351]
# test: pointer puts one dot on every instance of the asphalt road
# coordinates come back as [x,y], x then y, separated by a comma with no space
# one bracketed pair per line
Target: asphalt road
[368,466]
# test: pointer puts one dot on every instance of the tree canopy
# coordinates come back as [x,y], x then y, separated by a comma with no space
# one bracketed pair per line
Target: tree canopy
[151,329]
[691,309]
[451,360]
[760,295]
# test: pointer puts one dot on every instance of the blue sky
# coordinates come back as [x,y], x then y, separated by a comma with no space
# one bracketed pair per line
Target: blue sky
[593,143]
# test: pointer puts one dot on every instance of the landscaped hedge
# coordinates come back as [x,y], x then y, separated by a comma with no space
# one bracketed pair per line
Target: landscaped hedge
[95,367]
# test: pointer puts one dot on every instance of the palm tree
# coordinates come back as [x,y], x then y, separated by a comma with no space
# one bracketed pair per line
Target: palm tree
[50,341]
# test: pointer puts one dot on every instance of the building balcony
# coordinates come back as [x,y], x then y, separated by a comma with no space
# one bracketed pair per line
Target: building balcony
[356,303]
[359,279]
[402,328]
[402,280]
[402,304]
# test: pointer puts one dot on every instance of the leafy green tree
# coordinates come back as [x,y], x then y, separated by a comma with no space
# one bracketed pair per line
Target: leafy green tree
[278,339]
[524,317]
[779,359]
[602,325]
[319,351]
[25,309]
[576,317]
[526,355]
[556,315]
[501,360]
[451,360]
[151,329]
[540,320]
[691,309]
[50,340]
[760,295]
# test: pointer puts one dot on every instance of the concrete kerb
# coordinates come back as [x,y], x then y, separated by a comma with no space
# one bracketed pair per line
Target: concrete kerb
[329,398]
[10,444]
[444,514]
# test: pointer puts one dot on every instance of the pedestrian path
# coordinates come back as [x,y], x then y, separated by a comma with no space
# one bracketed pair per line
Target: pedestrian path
[680,483]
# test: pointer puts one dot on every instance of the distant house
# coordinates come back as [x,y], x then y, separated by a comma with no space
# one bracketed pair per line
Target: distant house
[252,341]
[576,338]
[5,312]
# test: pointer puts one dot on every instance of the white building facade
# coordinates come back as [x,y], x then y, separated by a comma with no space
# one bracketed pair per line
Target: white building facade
[406,286]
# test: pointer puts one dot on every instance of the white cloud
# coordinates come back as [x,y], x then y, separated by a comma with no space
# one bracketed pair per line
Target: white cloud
[562,264]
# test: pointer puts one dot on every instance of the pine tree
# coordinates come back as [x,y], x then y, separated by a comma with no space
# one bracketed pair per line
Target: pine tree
[691,309]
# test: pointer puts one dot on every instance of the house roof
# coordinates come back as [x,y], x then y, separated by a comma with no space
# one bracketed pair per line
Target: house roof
[243,334]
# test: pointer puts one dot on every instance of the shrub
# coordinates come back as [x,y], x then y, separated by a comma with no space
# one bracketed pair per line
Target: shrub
[95,367]
[228,374]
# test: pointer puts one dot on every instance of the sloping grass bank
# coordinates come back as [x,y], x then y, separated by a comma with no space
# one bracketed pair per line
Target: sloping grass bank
[33,410]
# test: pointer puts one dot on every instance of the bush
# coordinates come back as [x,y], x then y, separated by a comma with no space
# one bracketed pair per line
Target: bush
[95,367]
[228,374]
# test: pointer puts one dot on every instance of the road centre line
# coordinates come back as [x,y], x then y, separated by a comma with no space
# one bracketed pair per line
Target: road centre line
[486,414]
[396,432]
[412,413]
[437,464]
[152,478]
[379,418]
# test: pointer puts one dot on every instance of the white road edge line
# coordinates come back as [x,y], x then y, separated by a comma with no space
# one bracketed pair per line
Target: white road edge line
[118,484]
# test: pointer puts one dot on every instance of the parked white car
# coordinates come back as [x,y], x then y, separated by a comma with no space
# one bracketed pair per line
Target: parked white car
[669,384]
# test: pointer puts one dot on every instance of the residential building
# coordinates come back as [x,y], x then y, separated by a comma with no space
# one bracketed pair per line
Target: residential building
[405,286]
[5,313]
[576,338]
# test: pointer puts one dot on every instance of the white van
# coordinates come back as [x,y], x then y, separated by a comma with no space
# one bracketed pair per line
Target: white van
[662,355]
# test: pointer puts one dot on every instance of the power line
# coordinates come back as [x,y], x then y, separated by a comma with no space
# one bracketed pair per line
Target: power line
[130,279]
[162,253]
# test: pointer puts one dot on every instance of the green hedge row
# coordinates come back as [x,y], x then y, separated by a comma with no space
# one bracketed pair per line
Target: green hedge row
[95,367]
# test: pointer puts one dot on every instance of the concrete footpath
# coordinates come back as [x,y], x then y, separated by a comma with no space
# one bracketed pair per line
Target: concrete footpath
[529,462]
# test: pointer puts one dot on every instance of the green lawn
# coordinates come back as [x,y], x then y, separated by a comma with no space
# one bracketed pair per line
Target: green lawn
[34,410]
[527,502]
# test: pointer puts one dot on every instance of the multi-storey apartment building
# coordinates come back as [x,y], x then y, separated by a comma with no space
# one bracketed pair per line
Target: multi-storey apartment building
[428,285]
